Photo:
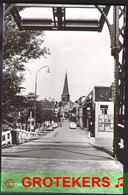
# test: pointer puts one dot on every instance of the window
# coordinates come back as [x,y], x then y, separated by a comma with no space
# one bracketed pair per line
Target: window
[106,123]
[63,99]
[104,109]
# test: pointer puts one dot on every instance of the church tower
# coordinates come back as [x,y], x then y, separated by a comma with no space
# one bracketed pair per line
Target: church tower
[65,97]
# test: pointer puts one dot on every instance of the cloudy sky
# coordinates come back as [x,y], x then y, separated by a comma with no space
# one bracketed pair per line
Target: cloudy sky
[85,55]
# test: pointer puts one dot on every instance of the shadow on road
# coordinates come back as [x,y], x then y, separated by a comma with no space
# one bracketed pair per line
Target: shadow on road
[108,151]
[84,152]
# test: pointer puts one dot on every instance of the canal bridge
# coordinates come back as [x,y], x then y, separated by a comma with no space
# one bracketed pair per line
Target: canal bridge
[59,21]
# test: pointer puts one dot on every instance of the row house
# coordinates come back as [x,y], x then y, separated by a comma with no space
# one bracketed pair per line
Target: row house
[96,112]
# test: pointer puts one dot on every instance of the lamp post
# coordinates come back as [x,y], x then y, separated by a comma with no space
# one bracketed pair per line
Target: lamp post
[48,71]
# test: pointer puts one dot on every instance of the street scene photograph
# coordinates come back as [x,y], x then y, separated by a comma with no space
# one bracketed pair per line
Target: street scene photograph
[63,88]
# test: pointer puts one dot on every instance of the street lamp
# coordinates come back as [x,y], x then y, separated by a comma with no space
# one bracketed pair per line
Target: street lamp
[48,71]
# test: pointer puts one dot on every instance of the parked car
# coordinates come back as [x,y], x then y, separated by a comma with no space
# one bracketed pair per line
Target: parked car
[55,125]
[50,128]
[47,123]
[72,125]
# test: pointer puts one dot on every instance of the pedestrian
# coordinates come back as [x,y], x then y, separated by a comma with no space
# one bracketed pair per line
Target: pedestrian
[59,117]
[59,114]
[60,122]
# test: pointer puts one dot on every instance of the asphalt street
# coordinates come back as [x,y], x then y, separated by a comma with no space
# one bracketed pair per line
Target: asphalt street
[61,150]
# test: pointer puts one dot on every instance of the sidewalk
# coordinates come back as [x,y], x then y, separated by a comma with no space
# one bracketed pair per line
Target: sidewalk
[101,143]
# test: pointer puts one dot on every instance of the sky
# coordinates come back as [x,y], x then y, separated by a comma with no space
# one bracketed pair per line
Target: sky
[86,56]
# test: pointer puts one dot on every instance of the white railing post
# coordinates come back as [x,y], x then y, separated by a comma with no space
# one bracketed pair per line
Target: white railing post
[7,138]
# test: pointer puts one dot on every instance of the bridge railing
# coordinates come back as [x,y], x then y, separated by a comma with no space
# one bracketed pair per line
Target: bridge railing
[21,136]
[6,137]
[17,136]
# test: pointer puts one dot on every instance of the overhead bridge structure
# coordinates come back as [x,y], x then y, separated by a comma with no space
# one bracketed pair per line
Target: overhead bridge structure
[65,17]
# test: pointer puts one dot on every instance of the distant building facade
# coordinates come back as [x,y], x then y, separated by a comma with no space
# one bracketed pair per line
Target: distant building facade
[96,112]
[104,111]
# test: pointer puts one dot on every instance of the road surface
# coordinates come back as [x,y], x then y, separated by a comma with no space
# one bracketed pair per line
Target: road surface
[61,150]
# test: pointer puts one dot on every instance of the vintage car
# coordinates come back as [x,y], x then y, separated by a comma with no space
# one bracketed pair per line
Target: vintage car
[72,125]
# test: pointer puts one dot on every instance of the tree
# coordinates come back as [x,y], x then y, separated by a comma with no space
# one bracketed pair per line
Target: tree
[45,111]
[18,48]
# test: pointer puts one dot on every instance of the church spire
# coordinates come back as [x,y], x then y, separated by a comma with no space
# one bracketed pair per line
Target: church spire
[65,97]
